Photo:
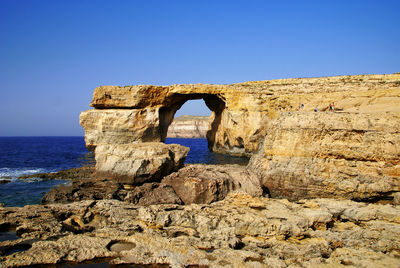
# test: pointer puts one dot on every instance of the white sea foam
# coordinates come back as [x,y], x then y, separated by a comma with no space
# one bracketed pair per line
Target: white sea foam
[16,172]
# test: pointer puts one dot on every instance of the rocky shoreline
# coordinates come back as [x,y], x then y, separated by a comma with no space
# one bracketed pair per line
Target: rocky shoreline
[239,231]
[322,189]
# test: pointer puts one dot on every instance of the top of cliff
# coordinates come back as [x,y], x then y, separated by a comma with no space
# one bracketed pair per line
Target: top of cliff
[192,117]
[350,92]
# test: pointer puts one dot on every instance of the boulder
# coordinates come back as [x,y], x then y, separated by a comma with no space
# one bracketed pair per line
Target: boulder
[138,163]
[152,194]
[204,184]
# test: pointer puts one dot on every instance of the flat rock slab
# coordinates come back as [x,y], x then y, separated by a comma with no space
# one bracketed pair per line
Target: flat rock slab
[139,162]
[240,231]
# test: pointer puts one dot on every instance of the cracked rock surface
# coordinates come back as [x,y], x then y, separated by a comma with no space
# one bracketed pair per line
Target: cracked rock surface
[239,231]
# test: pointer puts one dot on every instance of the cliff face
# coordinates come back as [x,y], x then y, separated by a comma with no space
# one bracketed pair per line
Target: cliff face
[189,126]
[143,113]
[352,152]
[313,155]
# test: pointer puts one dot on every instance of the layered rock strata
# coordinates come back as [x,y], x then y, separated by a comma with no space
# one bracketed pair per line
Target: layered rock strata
[355,156]
[200,184]
[240,231]
[188,126]
[350,152]
[139,163]
[143,113]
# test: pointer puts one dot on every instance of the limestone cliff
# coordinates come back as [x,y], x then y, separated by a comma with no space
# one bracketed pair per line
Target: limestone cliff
[143,113]
[312,155]
[351,152]
[189,126]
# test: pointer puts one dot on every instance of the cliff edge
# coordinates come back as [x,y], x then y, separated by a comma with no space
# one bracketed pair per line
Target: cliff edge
[189,126]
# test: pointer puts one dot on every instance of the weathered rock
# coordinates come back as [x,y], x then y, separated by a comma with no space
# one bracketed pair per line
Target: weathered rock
[200,184]
[330,155]
[152,194]
[238,109]
[118,126]
[204,184]
[240,231]
[353,153]
[66,174]
[188,126]
[139,163]
[84,189]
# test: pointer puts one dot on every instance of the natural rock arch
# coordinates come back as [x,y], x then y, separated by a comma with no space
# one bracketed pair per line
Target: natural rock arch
[175,102]
[296,153]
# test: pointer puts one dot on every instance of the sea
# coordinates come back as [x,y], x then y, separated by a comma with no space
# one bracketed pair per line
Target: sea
[32,155]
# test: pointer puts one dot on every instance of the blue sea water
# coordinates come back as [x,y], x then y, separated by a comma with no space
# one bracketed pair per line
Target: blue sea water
[31,155]
[199,153]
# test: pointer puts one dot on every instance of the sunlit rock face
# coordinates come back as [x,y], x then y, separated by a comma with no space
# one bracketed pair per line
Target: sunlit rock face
[188,126]
[344,155]
[352,151]
[140,162]
[143,113]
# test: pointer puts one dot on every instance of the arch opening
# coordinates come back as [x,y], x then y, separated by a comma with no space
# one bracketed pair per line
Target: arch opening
[201,149]
[175,102]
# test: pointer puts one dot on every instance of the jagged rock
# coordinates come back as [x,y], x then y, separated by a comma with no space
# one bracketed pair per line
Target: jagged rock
[240,231]
[118,126]
[98,189]
[153,194]
[204,184]
[330,155]
[143,113]
[66,174]
[352,152]
[200,184]
[188,126]
[139,163]
[84,189]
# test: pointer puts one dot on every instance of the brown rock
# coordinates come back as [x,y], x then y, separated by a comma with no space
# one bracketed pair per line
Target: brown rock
[153,194]
[83,189]
[66,174]
[118,126]
[204,184]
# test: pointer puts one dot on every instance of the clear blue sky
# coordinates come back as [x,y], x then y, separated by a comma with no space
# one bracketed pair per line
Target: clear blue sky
[54,53]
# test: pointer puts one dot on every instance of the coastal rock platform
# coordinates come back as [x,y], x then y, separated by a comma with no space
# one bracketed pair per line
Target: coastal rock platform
[239,231]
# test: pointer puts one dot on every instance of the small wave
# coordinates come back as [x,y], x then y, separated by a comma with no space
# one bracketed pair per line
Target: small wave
[16,172]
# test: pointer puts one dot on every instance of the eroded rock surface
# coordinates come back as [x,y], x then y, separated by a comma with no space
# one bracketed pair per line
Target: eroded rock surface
[240,231]
[143,113]
[188,126]
[204,184]
[308,155]
[200,184]
[140,162]
[350,152]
